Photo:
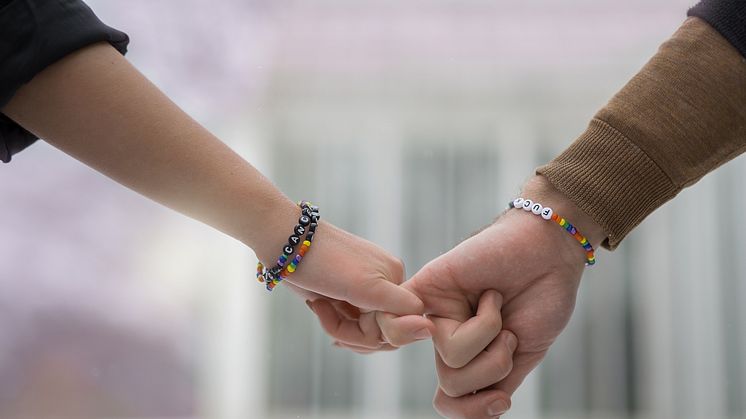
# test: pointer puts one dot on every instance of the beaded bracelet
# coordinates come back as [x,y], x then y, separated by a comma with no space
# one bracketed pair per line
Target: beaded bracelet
[307,224]
[548,214]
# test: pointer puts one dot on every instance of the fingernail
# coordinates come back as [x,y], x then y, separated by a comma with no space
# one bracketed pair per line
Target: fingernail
[423,333]
[308,303]
[512,342]
[498,407]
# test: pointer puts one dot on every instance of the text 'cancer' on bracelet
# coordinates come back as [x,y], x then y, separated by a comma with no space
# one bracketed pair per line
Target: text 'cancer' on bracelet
[307,224]
[549,214]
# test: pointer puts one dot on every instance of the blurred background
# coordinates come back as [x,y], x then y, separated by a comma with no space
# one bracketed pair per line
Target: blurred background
[114,307]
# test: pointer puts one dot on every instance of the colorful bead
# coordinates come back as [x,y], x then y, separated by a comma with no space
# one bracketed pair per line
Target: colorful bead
[549,214]
[307,224]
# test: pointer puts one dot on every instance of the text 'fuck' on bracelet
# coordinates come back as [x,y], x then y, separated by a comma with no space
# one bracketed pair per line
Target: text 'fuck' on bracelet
[307,223]
[549,214]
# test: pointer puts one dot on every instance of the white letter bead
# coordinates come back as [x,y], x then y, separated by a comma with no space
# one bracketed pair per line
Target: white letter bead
[536,208]
[518,202]
[547,213]
[527,204]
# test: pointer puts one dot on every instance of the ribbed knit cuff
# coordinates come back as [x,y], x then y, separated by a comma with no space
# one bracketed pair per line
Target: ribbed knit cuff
[609,178]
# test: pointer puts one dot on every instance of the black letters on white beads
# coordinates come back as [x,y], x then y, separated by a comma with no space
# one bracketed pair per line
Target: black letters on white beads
[307,223]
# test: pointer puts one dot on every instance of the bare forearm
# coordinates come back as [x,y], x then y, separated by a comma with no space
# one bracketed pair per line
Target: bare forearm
[96,107]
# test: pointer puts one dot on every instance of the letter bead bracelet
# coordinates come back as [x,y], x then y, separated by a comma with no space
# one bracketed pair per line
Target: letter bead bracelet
[548,214]
[307,223]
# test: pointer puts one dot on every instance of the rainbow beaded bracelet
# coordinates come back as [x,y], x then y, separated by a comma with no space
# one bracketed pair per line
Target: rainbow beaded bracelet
[549,214]
[307,224]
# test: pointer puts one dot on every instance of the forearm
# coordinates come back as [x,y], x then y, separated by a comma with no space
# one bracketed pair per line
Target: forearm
[681,117]
[96,107]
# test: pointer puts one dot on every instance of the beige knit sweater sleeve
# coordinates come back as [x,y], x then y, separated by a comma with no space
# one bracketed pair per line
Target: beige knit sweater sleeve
[680,117]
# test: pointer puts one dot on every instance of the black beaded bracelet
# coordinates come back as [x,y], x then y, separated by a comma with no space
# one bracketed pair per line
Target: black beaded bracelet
[307,224]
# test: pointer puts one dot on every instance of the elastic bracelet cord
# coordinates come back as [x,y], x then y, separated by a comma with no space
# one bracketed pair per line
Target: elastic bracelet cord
[307,224]
[549,214]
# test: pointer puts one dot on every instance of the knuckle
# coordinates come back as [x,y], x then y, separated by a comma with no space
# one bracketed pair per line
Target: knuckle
[494,322]
[397,269]
[451,386]
[503,365]
[452,359]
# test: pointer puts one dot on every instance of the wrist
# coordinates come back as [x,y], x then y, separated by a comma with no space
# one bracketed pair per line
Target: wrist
[274,224]
[539,189]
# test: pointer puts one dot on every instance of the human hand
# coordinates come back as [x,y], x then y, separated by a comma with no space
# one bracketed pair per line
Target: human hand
[536,268]
[345,279]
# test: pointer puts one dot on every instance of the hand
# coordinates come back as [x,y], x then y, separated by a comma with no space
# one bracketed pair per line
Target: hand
[536,267]
[345,279]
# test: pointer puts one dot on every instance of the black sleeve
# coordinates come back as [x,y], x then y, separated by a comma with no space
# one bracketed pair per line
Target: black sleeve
[727,17]
[33,35]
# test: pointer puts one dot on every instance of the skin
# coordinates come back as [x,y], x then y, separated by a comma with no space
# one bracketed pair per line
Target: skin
[526,266]
[517,278]
[96,107]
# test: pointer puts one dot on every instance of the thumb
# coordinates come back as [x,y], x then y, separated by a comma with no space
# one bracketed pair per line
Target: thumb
[400,331]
